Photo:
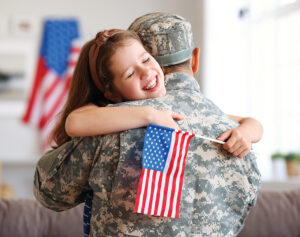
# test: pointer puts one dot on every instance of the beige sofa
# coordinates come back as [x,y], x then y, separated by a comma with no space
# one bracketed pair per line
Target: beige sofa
[275,214]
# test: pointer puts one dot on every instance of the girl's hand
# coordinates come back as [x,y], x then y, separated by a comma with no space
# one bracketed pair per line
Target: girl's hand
[236,141]
[166,118]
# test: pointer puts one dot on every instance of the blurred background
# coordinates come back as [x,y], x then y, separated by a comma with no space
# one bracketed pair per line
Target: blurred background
[249,66]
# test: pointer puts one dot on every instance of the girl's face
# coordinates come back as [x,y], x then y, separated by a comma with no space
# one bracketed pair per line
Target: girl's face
[136,73]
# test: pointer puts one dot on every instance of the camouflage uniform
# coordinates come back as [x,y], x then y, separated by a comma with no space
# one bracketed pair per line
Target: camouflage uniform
[218,188]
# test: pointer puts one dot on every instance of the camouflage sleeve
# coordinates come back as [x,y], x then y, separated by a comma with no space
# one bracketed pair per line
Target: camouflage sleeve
[61,176]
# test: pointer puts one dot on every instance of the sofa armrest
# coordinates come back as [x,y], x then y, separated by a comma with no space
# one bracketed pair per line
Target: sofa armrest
[27,217]
[276,213]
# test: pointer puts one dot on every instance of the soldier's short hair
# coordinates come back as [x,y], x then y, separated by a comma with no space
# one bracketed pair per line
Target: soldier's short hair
[168,37]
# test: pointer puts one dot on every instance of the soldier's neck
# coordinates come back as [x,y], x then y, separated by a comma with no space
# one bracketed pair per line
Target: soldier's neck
[182,70]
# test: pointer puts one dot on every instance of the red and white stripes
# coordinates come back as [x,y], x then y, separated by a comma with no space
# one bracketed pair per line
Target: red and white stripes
[159,192]
[49,94]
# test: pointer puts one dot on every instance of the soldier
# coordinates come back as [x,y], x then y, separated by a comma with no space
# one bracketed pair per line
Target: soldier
[218,188]
[169,39]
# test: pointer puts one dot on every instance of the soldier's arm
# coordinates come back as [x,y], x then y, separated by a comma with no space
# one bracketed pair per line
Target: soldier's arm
[61,176]
[91,120]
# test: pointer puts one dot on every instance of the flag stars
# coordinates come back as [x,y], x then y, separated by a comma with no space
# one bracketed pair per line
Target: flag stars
[57,43]
[156,146]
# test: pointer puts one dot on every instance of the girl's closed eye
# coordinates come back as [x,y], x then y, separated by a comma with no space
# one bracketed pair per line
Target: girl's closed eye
[146,60]
[130,74]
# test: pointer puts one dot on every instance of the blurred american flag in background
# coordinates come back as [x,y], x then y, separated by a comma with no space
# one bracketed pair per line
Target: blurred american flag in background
[59,52]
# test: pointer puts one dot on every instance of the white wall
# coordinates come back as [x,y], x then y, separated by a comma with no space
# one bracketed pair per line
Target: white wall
[97,15]
[94,15]
[225,52]
[18,143]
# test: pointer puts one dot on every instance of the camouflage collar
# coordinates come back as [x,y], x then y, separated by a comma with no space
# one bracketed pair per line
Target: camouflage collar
[181,81]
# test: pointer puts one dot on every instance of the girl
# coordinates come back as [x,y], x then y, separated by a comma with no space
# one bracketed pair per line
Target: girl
[112,68]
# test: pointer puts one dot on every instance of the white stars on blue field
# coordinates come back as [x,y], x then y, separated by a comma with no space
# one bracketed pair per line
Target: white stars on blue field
[58,35]
[156,147]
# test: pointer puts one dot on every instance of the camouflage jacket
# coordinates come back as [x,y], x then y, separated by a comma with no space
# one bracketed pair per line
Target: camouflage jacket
[217,191]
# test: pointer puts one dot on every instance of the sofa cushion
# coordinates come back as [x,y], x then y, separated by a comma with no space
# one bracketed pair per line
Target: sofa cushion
[275,214]
[27,217]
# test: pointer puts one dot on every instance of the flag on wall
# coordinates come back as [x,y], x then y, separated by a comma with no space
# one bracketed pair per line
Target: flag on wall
[58,55]
[163,164]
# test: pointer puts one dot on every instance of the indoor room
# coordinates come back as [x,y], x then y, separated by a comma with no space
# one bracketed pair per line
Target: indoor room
[248,66]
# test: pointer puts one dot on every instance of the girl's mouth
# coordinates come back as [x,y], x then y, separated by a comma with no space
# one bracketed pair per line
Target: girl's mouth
[151,84]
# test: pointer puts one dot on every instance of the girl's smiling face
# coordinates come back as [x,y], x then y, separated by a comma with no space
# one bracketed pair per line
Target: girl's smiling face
[136,74]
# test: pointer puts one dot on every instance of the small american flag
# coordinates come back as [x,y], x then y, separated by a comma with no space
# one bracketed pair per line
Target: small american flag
[160,183]
[58,56]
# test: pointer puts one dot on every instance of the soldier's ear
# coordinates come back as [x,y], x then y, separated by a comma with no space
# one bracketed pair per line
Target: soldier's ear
[195,60]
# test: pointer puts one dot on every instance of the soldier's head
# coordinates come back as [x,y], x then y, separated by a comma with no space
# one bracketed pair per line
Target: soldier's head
[169,38]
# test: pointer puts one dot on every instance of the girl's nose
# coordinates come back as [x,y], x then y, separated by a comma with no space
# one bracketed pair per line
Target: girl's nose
[145,73]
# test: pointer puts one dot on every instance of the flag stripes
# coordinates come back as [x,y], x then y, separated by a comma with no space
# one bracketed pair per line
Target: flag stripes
[55,99]
[159,191]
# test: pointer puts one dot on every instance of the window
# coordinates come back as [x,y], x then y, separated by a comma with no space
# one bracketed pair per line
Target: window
[275,73]
[251,67]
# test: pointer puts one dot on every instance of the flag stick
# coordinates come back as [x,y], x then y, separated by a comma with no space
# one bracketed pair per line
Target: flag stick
[210,139]
[207,138]
[220,142]
[217,141]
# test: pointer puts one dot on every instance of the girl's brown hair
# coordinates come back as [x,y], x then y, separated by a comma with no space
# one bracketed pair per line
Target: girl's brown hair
[92,77]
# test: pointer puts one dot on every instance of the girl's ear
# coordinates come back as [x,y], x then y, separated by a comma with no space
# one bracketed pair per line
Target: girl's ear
[114,97]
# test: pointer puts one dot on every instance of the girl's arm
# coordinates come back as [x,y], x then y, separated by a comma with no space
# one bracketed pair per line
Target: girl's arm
[239,139]
[91,120]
